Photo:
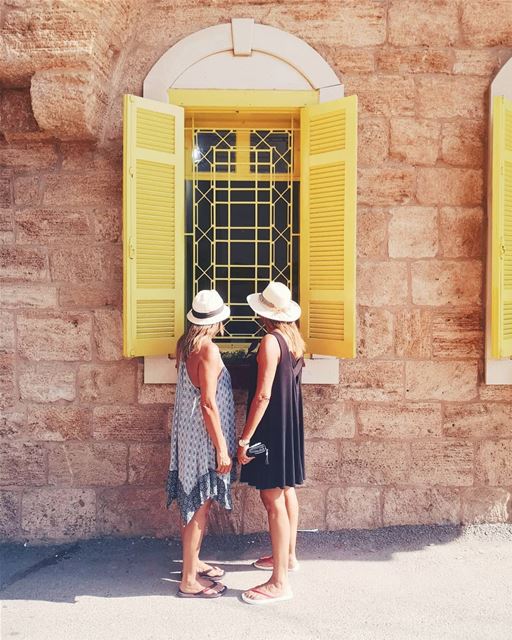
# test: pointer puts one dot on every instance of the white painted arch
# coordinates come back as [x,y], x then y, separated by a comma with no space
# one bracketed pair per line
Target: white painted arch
[241,55]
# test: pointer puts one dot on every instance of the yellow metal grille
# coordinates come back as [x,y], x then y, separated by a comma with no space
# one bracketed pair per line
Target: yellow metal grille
[242,220]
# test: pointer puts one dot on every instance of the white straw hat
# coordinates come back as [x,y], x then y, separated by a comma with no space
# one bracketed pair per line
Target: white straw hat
[208,308]
[275,303]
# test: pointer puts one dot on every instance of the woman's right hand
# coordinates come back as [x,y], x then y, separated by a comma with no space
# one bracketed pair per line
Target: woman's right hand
[224,463]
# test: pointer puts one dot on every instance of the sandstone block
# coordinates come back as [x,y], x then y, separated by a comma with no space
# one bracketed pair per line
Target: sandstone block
[463,143]
[451,97]
[82,190]
[222,521]
[6,332]
[22,463]
[413,232]
[375,333]
[457,334]
[413,23]
[495,392]
[333,420]
[389,95]
[81,463]
[89,296]
[320,393]
[461,232]
[29,155]
[395,60]
[108,334]
[58,514]
[130,423]
[322,460]
[477,420]
[353,508]
[81,264]
[26,191]
[386,185]
[494,463]
[485,505]
[371,463]
[58,423]
[16,111]
[372,223]
[42,226]
[23,263]
[487,27]
[132,511]
[39,296]
[83,155]
[6,199]
[371,380]
[432,380]
[107,383]
[413,333]
[148,464]
[10,514]
[441,463]
[7,389]
[447,186]
[54,336]
[13,423]
[399,421]
[372,140]
[446,282]
[311,508]
[46,382]
[415,141]
[475,62]
[421,506]
[107,223]
[353,61]
[6,224]
[382,283]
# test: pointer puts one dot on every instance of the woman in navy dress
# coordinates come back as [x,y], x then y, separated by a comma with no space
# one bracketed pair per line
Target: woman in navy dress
[275,418]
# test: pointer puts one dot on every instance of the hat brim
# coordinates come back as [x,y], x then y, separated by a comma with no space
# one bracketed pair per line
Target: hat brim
[291,314]
[220,317]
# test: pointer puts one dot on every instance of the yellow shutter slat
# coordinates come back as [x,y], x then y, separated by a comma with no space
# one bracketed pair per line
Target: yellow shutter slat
[153,227]
[501,244]
[328,227]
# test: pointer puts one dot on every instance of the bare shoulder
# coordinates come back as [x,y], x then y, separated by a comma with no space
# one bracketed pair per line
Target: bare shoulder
[269,346]
[209,351]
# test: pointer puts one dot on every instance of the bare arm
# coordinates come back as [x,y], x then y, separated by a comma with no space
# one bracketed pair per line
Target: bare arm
[209,368]
[268,359]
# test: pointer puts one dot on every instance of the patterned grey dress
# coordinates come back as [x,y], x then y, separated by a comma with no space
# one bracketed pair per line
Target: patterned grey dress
[192,477]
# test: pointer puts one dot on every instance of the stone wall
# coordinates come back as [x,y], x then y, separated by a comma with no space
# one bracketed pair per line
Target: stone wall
[411,434]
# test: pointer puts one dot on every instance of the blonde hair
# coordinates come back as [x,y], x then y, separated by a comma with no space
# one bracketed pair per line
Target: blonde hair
[191,339]
[291,332]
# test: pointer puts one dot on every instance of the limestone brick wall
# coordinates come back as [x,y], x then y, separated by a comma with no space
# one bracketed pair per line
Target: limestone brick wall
[411,434]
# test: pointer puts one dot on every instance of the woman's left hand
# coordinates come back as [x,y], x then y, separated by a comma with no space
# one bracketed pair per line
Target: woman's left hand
[242,457]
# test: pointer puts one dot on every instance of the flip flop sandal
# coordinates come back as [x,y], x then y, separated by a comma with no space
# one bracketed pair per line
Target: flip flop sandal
[202,593]
[206,574]
[269,567]
[267,599]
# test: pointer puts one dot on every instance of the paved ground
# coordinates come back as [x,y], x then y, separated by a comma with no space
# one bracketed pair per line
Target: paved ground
[399,583]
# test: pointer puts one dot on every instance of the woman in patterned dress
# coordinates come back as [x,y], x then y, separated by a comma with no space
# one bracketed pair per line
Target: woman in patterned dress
[202,441]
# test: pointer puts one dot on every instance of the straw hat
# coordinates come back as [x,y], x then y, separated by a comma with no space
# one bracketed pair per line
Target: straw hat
[208,308]
[275,303]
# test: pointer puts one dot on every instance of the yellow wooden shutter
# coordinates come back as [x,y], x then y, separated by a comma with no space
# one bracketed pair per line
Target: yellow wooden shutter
[501,266]
[328,227]
[153,227]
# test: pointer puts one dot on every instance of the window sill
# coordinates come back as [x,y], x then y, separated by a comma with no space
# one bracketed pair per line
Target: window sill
[318,370]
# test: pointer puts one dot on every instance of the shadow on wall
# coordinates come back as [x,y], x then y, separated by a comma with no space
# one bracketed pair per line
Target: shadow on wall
[128,567]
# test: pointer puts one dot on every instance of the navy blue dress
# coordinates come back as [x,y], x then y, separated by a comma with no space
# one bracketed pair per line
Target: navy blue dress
[281,428]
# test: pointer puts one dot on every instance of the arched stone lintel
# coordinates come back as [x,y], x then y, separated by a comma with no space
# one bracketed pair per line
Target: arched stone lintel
[219,38]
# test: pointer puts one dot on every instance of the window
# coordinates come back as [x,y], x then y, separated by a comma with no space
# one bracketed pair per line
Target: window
[269,194]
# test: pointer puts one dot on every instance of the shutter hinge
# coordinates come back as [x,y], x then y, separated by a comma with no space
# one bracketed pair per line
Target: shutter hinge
[131,172]
[131,248]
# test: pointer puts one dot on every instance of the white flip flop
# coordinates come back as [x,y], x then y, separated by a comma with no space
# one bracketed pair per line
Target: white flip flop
[267,599]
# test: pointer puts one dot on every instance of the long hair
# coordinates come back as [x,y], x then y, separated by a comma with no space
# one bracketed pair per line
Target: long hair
[291,332]
[190,340]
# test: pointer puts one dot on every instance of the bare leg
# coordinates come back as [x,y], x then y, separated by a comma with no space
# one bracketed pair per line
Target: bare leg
[191,537]
[279,526]
[292,510]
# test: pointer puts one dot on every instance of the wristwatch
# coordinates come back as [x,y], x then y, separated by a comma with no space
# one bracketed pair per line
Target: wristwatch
[243,443]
